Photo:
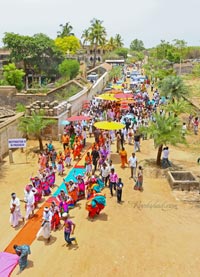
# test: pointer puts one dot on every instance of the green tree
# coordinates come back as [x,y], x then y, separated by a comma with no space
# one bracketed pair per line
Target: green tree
[85,36]
[178,107]
[13,76]
[137,45]
[69,68]
[115,72]
[173,87]
[38,52]
[66,30]
[46,56]
[160,52]
[20,47]
[165,130]
[122,52]
[180,45]
[97,36]
[119,41]
[34,125]
[110,45]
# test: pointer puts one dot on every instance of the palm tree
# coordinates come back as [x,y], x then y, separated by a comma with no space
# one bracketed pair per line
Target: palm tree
[85,36]
[178,107]
[97,36]
[119,41]
[66,30]
[173,87]
[110,45]
[34,125]
[165,129]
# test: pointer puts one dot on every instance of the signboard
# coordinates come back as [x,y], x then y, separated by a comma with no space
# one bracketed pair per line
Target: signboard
[17,143]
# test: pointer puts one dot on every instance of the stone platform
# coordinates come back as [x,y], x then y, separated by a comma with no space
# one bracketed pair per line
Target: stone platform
[182,180]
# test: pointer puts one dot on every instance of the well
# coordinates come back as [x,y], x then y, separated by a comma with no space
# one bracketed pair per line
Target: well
[182,180]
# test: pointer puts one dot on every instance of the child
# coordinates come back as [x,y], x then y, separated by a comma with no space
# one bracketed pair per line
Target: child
[119,187]
[68,157]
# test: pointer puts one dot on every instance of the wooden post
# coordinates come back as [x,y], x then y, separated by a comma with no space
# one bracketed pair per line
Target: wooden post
[10,156]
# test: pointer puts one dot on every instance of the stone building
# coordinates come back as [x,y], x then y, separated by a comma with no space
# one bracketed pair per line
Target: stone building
[4,57]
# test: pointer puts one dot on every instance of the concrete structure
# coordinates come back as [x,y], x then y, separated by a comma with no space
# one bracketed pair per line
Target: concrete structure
[89,55]
[4,57]
[52,108]
[9,129]
[182,180]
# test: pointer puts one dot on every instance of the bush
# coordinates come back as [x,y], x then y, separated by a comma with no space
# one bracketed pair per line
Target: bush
[13,76]
[69,68]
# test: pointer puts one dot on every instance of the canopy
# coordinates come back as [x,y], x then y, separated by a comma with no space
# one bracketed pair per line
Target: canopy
[106,96]
[124,95]
[114,91]
[7,263]
[127,101]
[106,125]
[64,122]
[78,118]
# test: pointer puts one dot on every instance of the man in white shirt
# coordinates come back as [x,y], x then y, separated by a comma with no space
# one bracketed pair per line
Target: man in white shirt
[165,158]
[30,201]
[105,171]
[45,229]
[133,165]
[15,215]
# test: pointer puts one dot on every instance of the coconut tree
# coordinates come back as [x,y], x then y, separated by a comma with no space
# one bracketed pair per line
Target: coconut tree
[173,87]
[66,30]
[119,41]
[97,36]
[34,125]
[110,45]
[85,36]
[165,130]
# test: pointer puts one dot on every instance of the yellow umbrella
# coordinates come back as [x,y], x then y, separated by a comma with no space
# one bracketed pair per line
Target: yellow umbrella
[106,125]
[106,96]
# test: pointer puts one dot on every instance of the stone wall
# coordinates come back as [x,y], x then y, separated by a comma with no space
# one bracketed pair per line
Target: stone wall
[9,95]
[86,94]
[98,86]
[8,129]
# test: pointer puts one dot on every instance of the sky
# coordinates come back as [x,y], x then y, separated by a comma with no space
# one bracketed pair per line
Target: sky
[147,20]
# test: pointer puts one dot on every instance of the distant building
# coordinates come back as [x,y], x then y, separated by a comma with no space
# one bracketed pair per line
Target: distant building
[4,57]
[90,54]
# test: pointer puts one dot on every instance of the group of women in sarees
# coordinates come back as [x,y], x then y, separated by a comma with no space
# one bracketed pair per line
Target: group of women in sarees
[42,183]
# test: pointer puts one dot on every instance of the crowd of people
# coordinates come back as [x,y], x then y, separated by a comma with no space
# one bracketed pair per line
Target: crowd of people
[100,172]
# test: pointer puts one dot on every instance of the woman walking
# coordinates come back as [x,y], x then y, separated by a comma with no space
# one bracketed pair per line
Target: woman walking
[139,182]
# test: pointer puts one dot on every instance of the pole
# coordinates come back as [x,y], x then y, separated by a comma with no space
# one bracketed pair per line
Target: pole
[10,156]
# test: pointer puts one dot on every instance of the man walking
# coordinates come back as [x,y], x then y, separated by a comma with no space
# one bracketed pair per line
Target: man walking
[104,172]
[137,142]
[69,228]
[45,229]
[15,215]
[95,157]
[30,201]
[133,165]
[113,179]
[119,187]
